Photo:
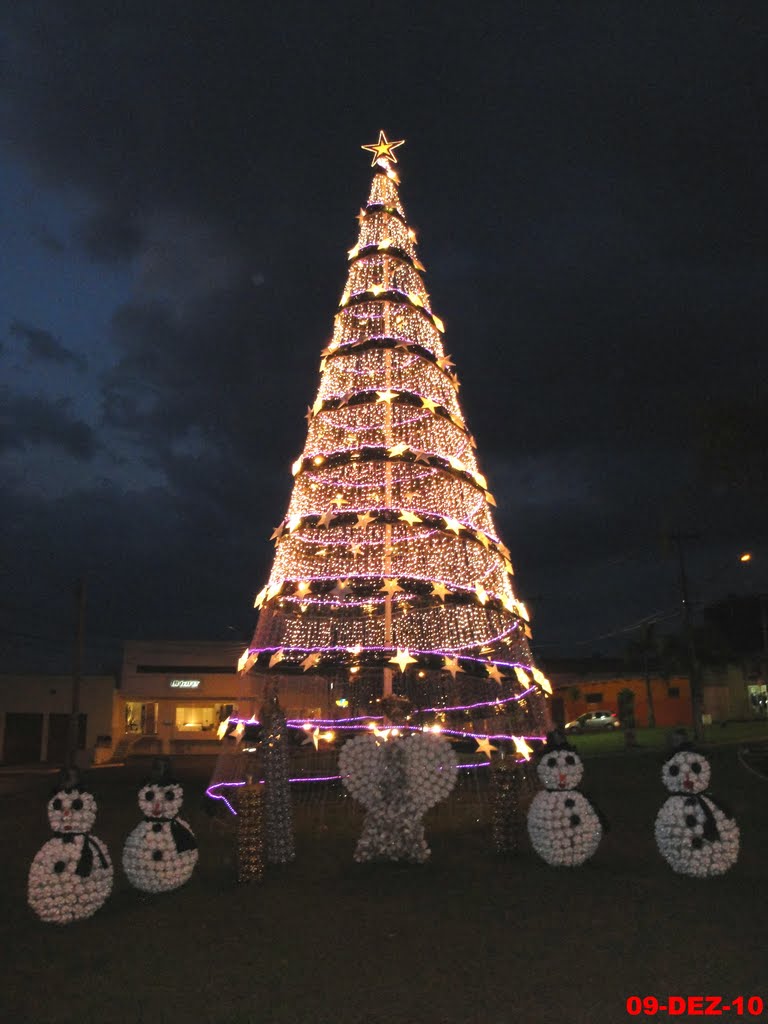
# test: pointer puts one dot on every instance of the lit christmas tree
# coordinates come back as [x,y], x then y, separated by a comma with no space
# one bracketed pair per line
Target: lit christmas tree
[389,576]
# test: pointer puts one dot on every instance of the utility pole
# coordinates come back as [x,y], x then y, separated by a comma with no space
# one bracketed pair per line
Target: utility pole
[694,673]
[77,669]
[647,641]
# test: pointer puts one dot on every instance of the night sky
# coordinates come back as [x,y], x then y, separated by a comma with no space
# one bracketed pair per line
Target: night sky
[179,188]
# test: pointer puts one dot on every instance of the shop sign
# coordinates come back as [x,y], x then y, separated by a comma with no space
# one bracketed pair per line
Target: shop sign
[184,684]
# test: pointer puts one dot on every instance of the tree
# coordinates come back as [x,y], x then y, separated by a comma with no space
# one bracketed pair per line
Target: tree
[388,569]
[736,626]
[626,702]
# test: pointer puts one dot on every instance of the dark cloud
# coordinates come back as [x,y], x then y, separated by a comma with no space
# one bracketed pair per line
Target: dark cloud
[50,242]
[43,345]
[587,184]
[31,420]
[111,236]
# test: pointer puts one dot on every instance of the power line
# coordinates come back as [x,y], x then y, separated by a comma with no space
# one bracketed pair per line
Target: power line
[657,616]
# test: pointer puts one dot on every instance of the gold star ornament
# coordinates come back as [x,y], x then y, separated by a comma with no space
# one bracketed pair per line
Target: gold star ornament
[522,748]
[403,659]
[383,149]
[409,517]
[542,680]
[279,655]
[246,660]
[484,746]
[522,677]
[452,665]
[398,449]
[493,672]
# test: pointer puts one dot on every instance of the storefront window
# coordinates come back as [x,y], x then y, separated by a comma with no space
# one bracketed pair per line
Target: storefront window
[141,718]
[201,718]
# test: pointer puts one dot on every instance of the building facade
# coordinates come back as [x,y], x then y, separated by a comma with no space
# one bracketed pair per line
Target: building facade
[595,684]
[174,695]
[35,712]
[171,697]
[729,692]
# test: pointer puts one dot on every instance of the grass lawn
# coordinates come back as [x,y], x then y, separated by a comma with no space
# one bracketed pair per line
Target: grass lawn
[657,739]
[469,937]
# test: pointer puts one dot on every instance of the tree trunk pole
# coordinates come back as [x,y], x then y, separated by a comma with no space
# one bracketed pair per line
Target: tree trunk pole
[77,668]
[694,674]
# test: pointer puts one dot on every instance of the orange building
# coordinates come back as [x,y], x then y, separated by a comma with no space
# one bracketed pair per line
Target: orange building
[595,684]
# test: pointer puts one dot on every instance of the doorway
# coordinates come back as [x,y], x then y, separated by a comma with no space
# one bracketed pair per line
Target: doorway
[23,737]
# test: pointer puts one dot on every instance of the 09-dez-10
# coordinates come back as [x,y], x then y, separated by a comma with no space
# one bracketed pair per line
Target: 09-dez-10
[695,1006]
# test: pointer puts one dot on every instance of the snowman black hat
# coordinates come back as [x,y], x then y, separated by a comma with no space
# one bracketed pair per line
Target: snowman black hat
[68,782]
[555,741]
[680,744]
[161,773]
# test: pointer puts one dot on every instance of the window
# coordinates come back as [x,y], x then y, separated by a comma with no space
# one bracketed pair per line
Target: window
[188,670]
[593,698]
[673,691]
[201,718]
[141,718]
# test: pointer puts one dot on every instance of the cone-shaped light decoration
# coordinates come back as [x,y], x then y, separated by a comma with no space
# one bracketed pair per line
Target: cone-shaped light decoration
[388,543]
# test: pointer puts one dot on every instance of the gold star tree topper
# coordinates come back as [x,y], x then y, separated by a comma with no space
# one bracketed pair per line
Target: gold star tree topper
[383,149]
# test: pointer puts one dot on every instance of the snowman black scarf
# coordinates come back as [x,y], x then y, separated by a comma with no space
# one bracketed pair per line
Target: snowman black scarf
[183,838]
[85,863]
[711,831]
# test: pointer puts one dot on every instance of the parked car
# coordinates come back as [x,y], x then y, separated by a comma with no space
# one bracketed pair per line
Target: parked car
[594,721]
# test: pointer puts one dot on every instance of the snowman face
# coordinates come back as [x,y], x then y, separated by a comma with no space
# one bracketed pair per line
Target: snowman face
[160,801]
[686,772]
[71,810]
[560,769]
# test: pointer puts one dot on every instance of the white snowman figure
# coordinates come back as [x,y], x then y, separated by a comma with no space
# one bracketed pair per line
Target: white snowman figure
[563,826]
[71,875]
[693,834]
[161,852]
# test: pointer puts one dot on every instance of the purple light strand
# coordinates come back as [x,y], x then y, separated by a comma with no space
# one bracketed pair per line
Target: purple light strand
[482,703]
[300,722]
[389,650]
[321,778]
[341,725]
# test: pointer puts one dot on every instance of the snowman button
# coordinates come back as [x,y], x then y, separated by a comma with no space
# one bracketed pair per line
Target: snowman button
[697,843]
[157,855]
[570,802]
[157,827]
[59,866]
[574,820]
[690,820]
